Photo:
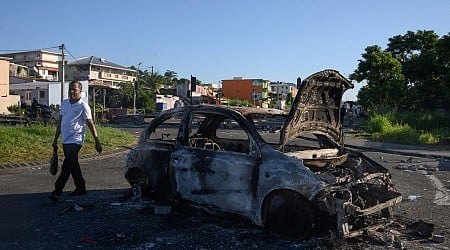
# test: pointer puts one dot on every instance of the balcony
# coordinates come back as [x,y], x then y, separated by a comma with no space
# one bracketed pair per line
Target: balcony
[115,77]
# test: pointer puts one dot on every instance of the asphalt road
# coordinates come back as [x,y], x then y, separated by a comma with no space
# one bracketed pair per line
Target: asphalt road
[105,220]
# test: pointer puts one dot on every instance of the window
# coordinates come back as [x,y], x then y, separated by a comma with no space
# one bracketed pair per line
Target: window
[167,130]
[41,94]
[27,95]
[216,131]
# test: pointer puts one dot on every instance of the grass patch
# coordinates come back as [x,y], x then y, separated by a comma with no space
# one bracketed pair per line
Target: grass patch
[410,128]
[21,144]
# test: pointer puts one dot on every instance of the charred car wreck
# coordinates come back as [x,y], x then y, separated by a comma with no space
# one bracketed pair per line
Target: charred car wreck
[288,172]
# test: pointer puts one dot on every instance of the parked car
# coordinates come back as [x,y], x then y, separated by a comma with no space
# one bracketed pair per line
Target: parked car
[289,172]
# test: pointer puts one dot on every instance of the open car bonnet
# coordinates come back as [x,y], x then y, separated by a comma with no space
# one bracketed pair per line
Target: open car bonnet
[316,108]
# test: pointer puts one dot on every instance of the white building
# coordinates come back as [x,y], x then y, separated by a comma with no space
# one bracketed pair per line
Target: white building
[99,72]
[43,62]
[45,92]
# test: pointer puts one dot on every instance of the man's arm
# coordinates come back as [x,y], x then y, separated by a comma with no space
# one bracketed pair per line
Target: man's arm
[91,126]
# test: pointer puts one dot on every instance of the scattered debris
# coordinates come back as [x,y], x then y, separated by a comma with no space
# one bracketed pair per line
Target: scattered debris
[420,228]
[78,208]
[88,240]
[66,209]
[413,197]
[381,238]
[121,235]
[163,209]
[438,238]
[416,167]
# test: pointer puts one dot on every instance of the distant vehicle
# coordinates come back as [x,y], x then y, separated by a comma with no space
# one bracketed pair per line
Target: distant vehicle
[265,164]
[178,104]
[38,112]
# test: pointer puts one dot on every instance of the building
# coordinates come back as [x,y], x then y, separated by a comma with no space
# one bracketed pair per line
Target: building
[185,92]
[6,99]
[255,91]
[45,92]
[103,76]
[281,92]
[41,63]
[99,72]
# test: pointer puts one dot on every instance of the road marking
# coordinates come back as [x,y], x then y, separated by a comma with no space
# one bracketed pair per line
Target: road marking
[441,197]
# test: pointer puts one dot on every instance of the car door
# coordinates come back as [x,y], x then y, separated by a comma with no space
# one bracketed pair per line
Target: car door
[221,175]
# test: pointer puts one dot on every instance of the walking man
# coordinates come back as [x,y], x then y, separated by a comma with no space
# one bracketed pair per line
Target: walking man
[75,114]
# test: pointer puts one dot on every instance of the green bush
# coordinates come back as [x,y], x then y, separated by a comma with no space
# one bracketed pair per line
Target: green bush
[16,110]
[242,103]
[428,138]
[378,123]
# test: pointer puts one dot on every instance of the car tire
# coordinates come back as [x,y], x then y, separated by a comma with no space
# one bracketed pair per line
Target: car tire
[292,218]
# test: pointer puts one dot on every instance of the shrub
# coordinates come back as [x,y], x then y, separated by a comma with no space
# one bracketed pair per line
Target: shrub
[428,138]
[16,110]
[378,123]
[402,134]
[241,103]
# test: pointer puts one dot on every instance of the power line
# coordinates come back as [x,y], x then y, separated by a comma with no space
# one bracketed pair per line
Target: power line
[68,52]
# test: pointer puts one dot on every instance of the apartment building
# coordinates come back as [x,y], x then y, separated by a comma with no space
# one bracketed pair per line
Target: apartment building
[255,91]
[281,90]
[42,64]
[99,72]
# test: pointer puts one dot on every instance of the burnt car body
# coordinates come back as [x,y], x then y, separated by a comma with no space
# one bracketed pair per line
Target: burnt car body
[285,171]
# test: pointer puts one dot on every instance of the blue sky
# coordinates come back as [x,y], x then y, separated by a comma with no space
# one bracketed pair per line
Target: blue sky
[277,40]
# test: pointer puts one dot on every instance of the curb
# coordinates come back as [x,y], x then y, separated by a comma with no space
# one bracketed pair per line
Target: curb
[423,155]
[82,159]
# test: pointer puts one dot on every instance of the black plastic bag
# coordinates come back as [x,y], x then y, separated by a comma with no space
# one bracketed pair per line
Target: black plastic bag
[54,162]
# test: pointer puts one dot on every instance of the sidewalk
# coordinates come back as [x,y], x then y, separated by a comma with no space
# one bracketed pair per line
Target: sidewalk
[386,147]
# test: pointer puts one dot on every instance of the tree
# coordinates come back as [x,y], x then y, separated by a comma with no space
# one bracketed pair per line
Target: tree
[171,77]
[126,93]
[383,75]
[417,51]
[443,52]
[184,81]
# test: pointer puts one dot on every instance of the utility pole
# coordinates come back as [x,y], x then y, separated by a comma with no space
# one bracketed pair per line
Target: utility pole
[134,88]
[62,72]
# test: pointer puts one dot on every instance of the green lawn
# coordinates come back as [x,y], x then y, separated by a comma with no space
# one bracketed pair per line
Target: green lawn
[20,144]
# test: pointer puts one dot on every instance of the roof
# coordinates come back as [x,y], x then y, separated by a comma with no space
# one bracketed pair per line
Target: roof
[32,51]
[93,60]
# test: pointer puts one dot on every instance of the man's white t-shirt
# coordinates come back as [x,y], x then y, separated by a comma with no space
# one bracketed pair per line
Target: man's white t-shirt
[73,121]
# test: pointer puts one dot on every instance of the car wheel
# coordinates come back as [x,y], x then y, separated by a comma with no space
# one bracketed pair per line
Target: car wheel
[135,176]
[290,216]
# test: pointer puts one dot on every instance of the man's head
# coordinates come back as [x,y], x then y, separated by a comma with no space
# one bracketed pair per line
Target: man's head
[75,88]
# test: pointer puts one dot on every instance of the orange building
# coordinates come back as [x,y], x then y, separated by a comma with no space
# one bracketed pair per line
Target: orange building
[253,90]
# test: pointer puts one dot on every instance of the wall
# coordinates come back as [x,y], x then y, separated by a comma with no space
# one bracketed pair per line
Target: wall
[243,89]
[4,77]
[6,99]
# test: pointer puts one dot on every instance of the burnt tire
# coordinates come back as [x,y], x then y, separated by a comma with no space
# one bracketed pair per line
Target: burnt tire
[292,219]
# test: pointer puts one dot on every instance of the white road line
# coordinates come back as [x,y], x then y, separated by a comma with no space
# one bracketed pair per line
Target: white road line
[441,197]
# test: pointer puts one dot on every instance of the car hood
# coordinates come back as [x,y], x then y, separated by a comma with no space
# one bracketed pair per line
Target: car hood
[316,107]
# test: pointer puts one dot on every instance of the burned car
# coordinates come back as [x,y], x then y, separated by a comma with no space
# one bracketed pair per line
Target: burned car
[288,172]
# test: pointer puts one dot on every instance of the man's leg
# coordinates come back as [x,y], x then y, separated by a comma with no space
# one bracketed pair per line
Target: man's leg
[65,171]
[70,151]
[72,156]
